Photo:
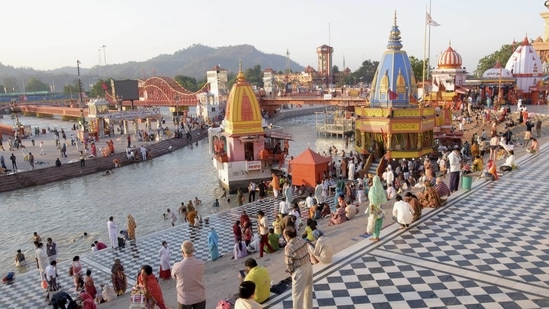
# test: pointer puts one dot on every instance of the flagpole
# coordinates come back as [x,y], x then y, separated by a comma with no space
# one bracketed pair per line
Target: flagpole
[429,41]
[424,55]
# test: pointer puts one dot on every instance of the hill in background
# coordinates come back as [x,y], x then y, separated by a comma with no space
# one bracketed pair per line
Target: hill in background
[193,62]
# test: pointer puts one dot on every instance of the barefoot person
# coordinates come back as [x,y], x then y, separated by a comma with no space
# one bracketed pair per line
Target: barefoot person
[376,197]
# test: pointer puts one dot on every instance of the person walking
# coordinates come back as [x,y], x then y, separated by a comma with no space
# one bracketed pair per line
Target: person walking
[13,163]
[189,275]
[251,189]
[164,254]
[118,278]
[263,226]
[298,264]
[82,159]
[31,160]
[376,197]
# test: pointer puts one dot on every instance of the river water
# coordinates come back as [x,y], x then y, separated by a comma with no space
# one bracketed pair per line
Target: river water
[65,210]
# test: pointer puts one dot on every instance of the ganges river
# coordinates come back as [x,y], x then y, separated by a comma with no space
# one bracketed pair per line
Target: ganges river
[65,210]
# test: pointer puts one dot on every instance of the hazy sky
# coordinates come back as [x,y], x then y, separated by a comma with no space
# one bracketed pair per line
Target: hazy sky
[52,34]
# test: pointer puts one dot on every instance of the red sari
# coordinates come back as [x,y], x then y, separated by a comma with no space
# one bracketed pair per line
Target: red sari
[89,286]
[153,292]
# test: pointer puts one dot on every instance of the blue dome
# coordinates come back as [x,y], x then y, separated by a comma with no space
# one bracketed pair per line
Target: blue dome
[394,81]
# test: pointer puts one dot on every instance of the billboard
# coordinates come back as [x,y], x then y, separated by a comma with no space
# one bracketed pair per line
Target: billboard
[126,89]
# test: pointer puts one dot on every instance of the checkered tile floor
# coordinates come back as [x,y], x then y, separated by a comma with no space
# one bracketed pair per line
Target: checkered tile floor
[25,292]
[487,248]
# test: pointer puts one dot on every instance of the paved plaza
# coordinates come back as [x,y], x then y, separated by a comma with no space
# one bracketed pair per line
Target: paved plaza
[486,248]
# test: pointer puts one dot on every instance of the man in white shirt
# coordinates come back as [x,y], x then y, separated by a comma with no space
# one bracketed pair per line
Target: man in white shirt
[455,167]
[309,201]
[403,213]
[51,276]
[283,208]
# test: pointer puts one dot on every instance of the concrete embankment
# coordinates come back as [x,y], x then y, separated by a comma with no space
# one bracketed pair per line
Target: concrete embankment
[41,176]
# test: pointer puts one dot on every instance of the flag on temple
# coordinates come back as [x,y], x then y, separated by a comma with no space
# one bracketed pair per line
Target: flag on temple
[413,99]
[430,21]
[392,95]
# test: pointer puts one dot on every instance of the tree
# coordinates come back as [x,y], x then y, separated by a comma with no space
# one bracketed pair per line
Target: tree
[35,84]
[488,62]
[335,69]
[364,74]
[255,76]
[186,82]
[417,67]
[96,90]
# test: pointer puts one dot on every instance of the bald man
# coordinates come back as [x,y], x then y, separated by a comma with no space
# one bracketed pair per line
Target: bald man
[189,275]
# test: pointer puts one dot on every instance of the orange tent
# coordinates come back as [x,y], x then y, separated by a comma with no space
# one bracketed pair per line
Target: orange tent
[308,168]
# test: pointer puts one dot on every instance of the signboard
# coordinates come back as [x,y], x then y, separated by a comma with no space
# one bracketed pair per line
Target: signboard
[135,114]
[327,97]
[253,165]
[280,135]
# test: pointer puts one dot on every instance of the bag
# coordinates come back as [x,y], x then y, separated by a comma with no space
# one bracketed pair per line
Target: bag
[71,273]
[224,304]
[44,284]
[138,299]
[371,223]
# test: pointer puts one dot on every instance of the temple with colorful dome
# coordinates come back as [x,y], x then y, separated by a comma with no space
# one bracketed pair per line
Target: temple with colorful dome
[449,75]
[244,147]
[395,125]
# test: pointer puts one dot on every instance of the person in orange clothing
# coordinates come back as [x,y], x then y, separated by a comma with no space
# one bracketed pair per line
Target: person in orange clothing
[148,282]
[275,183]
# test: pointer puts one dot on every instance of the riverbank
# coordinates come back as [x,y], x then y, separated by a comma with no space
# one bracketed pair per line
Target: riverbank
[46,172]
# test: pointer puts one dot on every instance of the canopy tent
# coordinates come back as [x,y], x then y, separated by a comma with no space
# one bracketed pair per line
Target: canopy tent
[308,168]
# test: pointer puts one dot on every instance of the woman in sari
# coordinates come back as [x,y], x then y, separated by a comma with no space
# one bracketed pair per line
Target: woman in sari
[376,197]
[429,198]
[76,269]
[164,255]
[213,241]
[89,285]
[131,227]
[118,278]
[148,282]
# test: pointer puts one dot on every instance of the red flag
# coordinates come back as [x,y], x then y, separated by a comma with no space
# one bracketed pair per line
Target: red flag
[413,99]
[392,95]
[104,86]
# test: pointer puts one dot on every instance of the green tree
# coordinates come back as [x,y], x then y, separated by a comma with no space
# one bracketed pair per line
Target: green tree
[254,75]
[35,84]
[186,82]
[97,88]
[418,68]
[488,62]
[364,74]
[335,69]
[3,89]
